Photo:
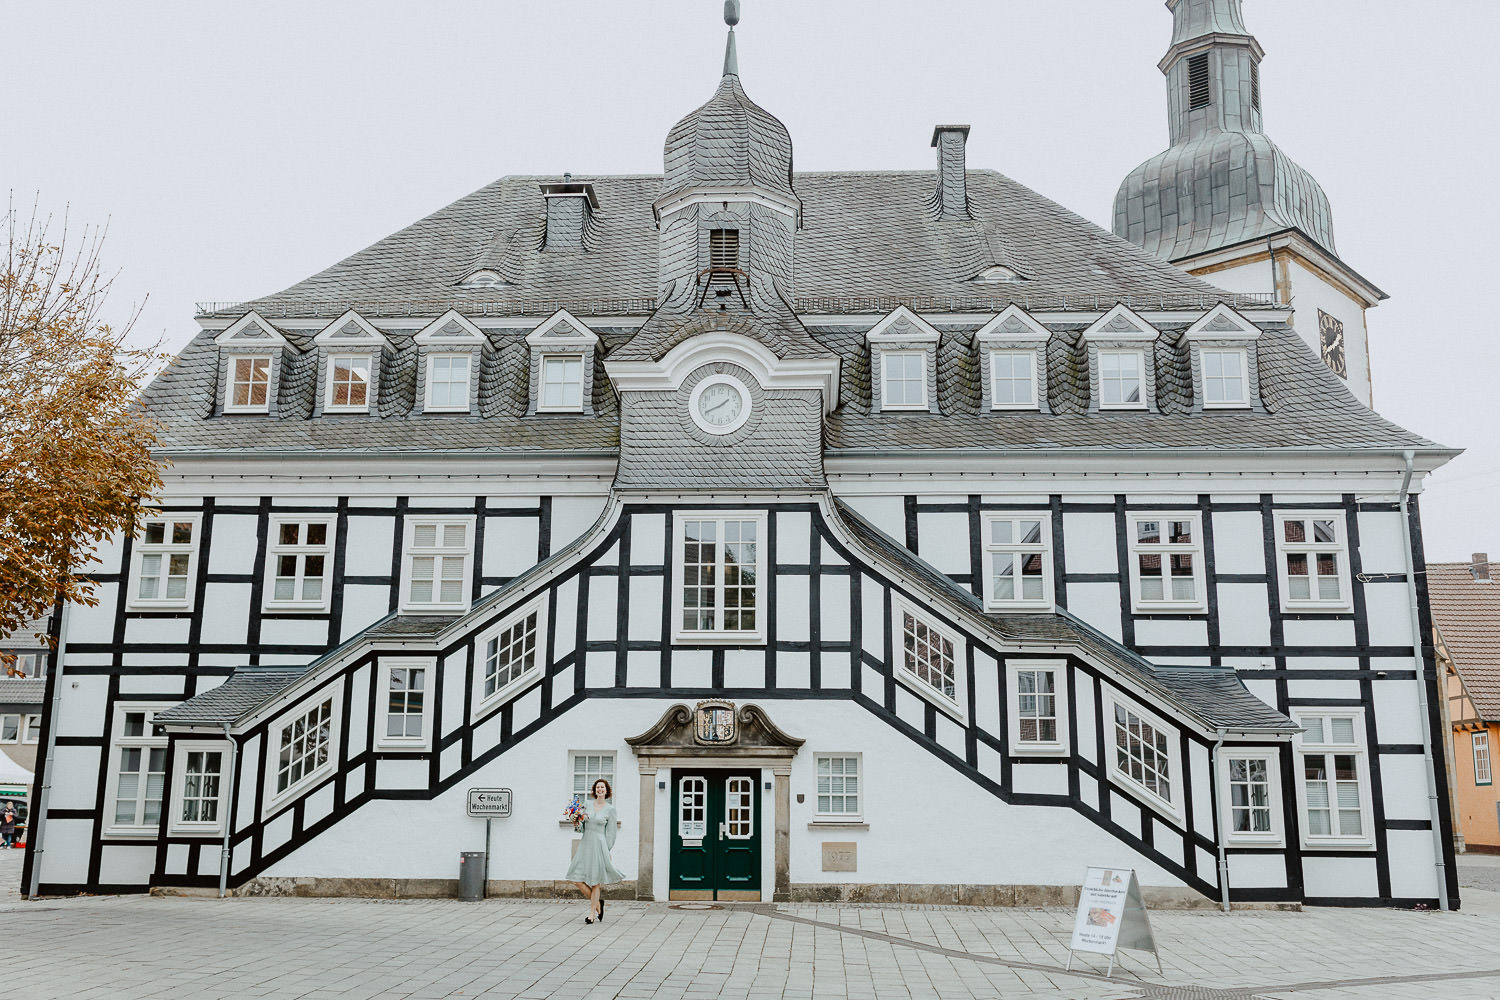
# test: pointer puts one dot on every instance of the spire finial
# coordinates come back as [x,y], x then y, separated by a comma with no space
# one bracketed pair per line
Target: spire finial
[731,18]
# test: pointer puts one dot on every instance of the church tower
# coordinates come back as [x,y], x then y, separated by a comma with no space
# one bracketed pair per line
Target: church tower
[1224,202]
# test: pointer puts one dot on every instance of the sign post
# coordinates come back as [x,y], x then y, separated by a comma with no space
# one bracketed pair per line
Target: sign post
[489,804]
[1111,915]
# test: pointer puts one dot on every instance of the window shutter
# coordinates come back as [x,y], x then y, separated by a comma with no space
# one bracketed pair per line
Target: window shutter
[1198,95]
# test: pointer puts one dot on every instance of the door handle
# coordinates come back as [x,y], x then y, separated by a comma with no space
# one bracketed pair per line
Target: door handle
[723,831]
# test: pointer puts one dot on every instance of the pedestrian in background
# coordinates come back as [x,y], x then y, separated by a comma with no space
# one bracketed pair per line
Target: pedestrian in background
[8,826]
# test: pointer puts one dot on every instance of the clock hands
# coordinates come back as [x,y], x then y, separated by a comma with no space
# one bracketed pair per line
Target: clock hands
[719,406]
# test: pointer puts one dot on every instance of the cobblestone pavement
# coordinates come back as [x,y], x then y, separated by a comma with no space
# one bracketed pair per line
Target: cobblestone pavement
[310,949]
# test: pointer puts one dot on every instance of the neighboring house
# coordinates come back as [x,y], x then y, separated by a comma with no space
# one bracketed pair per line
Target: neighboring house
[879,534]
[1466,626]
[22,696]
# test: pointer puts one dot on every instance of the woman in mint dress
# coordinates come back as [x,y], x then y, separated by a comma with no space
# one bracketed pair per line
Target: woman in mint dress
[591,869]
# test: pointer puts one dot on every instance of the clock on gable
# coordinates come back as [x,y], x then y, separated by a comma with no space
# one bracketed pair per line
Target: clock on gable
[720,404]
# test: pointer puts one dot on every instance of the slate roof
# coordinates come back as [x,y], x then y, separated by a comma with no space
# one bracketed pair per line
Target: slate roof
[23,690]
[1466,612]
[1213,694]
[236,699]
[728,142]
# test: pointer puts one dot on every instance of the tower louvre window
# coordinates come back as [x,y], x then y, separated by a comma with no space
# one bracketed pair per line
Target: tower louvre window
[1198,81]
[1255,85]
[724,248]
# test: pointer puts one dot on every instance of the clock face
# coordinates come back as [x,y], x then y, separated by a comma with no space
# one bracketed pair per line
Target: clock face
[720,404]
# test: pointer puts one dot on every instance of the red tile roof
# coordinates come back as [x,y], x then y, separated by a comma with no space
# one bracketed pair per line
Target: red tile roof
[1466,612]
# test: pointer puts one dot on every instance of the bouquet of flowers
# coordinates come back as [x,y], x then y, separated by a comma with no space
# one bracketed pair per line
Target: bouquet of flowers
[575,813]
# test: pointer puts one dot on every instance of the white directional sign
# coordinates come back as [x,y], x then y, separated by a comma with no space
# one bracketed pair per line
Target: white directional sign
[489,803]
[1111,915]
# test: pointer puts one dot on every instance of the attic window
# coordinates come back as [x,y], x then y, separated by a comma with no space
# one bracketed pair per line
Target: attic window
[724,248]
[1198,82]
[484,279]
[997,274]
[1255,85]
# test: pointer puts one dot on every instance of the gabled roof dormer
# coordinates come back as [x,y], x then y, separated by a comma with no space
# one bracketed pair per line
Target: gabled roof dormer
[1122,361]
[903,363]
[253,354]
[1223,356]
[563,349]
[1013,361]
[351,356]
[450,356]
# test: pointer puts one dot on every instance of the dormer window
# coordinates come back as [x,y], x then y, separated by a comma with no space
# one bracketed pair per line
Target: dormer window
[447,382]
[1224,377]
[562,383]
[903,362]
[348,383]
[562,365]
[1120,379]
[1013,360]
[249,384]
[1013,380]
[1222,347]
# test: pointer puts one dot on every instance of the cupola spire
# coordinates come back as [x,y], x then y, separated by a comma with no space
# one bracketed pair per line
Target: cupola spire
[731,57]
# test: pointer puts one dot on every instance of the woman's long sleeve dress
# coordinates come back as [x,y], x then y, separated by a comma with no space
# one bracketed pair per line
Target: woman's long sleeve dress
[591,864]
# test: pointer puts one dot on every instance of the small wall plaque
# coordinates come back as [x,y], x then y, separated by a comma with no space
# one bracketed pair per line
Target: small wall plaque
[839,857]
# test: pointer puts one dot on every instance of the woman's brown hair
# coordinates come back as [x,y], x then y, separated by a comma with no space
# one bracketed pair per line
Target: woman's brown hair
[609,790]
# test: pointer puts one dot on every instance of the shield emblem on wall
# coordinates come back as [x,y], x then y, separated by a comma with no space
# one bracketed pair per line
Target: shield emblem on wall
[714,723]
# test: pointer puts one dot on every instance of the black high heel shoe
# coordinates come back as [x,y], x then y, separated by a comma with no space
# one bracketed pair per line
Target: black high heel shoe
[601,909]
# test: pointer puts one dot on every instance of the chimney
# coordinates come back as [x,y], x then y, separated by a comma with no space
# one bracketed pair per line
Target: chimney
[570,206]
[1480,566]
[952,197]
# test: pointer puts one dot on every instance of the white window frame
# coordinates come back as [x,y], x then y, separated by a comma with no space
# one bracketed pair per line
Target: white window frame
[957,706]
[384,741]
[145,743]
[1060,707]
[1480,746]
[482,702]
[542,406]
[329,406]
[20,727]
[1276,836]
[1136,549]
[409,552]
[275,549]
[31,728]
[1243,403]
[1141,375]
[1339,547]
[834,818]
[886,354]
[1032,357]
[1360,750]
[1170,806]
[992,549]
[274,800]
[428,406]
[141,548]
[178,826]
[719,635]
[573,757]
[230,406]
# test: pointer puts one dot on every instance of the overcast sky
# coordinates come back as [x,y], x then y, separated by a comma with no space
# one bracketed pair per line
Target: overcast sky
[235,148]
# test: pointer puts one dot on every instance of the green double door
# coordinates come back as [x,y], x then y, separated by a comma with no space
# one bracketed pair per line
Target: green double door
[715,835]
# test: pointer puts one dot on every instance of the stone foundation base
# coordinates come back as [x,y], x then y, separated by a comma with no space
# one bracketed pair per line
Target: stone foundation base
[401,888]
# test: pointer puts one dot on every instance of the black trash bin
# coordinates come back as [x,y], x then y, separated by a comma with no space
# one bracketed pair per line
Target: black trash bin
[471,876]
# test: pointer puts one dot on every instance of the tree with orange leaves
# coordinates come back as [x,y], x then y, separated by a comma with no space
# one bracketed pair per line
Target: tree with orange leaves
[75,446]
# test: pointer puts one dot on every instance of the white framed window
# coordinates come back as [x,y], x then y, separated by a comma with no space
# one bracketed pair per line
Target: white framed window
[10,728]
[1013,380]
[28,663]
[586,767]
[510,653]
[32,733]
[137,774]
[199,787]
[903,380]
[720,559]
[303,746]
[403,710]
[1481,740]
[839,792]
[1312,560]
[299,563]
[1333,788]
[447,383]
[739,808]
[1036,692]
[1166,562]
[561,389]
[1121,379]
[348,383]
[249,384]
[1146,758]
[165,557]
[1226,377]
[1018,560]
[435,573]
[1250,796]
[929,658]
[692,807]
